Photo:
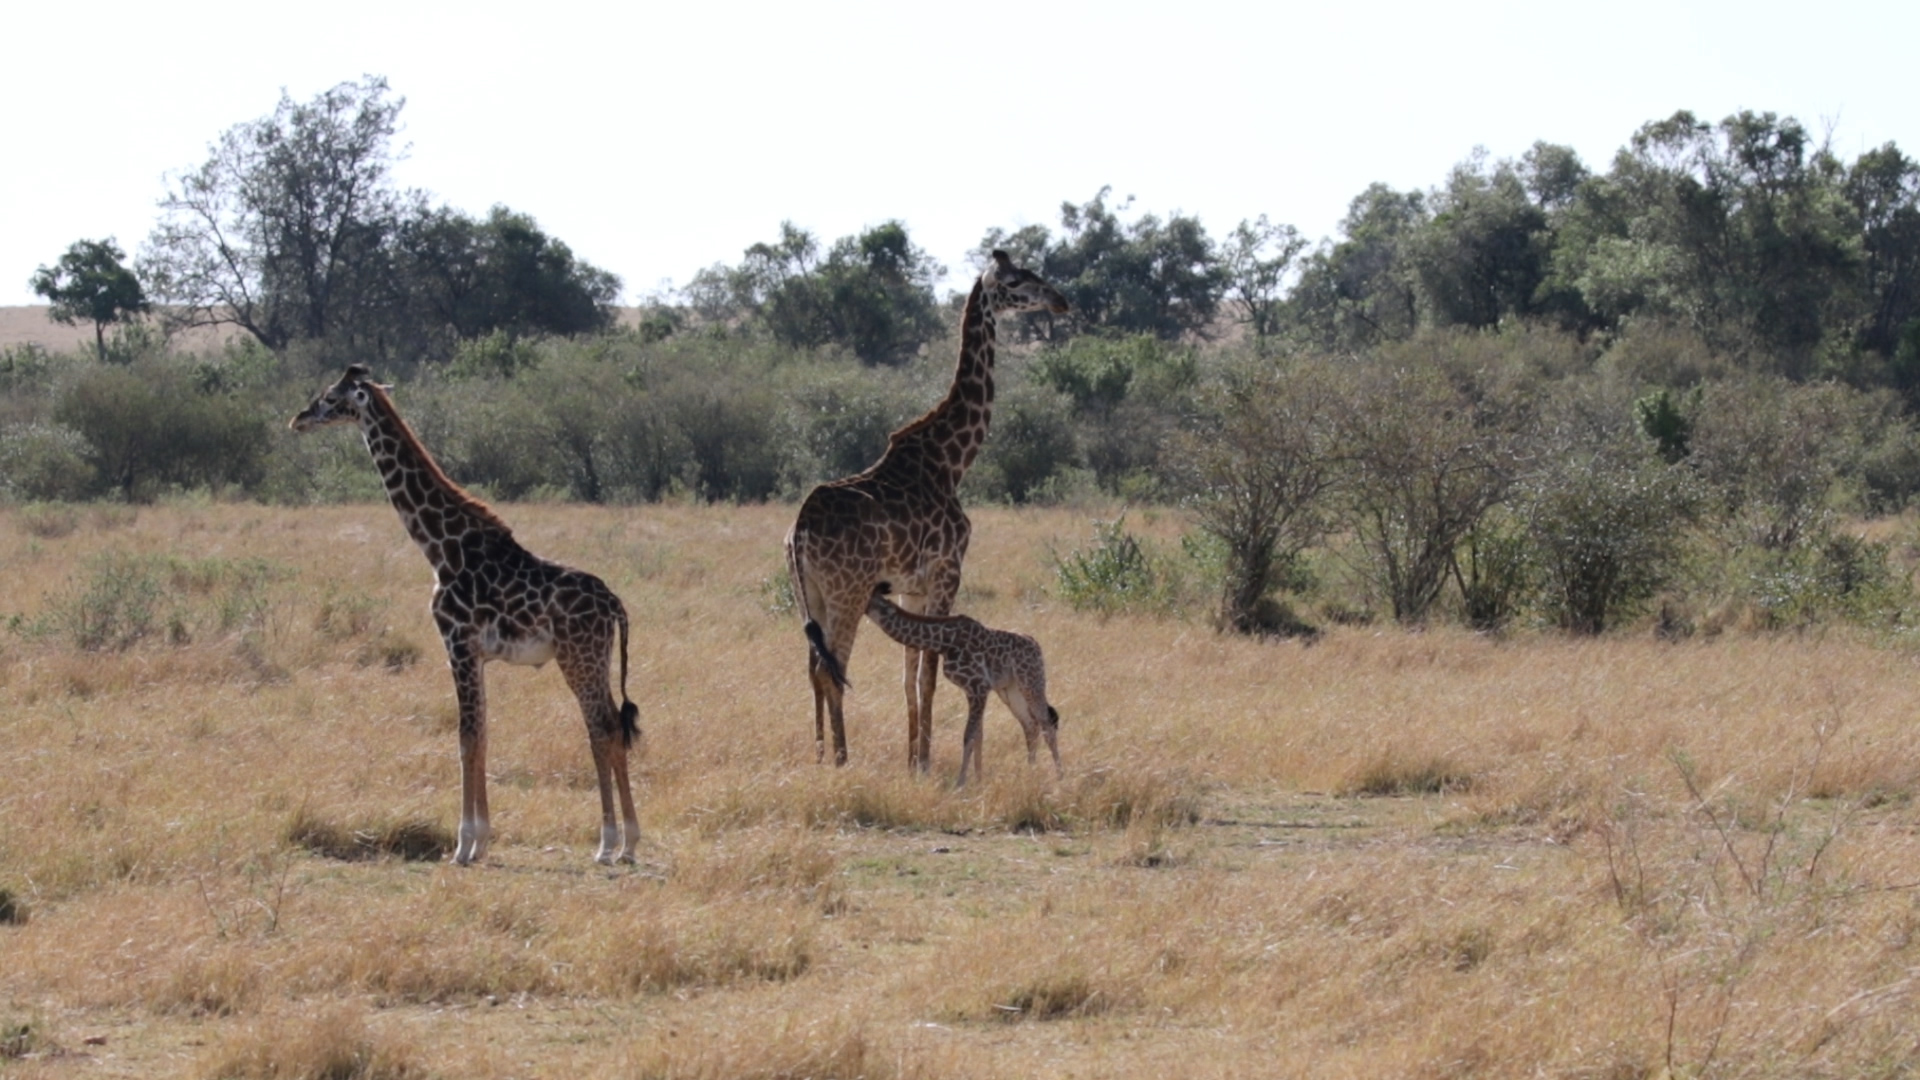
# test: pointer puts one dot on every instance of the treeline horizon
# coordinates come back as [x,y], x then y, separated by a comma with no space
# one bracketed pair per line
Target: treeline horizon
[1535,392]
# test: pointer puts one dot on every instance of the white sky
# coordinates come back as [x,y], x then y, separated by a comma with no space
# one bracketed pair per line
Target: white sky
[656,139]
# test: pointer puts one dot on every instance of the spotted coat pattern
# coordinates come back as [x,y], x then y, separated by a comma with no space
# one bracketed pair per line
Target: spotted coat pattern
[900,521]
[495,600]
[980,660]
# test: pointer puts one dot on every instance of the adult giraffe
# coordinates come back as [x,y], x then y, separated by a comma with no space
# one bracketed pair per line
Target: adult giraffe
[900,521]
[495,600]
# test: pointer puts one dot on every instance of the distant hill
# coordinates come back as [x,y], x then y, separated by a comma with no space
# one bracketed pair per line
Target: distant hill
[28,324]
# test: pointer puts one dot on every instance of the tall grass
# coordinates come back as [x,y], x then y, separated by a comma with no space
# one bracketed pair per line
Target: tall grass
[1382,853]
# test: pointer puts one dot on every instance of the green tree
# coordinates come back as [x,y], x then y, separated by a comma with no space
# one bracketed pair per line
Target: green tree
[1884,187]
[871,293]
[283,230]
[1255,260]
[1483,254]
[1361,290]
[1147,276]
[471,278]
[92,282]
[1740,230]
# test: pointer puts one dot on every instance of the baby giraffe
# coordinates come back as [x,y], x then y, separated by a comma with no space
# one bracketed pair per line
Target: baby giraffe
[979,659]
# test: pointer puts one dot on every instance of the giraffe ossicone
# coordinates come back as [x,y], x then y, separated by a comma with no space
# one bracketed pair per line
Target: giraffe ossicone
[494,600]
[900,520]
[980,660]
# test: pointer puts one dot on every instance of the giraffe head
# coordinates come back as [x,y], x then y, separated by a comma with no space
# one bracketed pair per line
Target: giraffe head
[1010,288]
[344,402]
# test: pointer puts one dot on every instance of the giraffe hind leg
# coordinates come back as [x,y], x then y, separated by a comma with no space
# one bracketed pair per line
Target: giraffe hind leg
[608,737]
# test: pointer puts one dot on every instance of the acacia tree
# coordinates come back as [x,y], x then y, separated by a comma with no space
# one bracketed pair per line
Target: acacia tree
[283,229]
[1427,464]
[91,282]
[1258,471]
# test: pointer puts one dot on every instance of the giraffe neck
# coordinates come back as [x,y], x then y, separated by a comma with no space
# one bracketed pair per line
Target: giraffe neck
[913,631]
[433,508]
[943,444]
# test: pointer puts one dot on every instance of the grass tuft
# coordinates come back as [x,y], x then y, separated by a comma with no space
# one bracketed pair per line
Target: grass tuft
[1053,996]
[410,839]
[338,1044]
[1390,776]
[13,910]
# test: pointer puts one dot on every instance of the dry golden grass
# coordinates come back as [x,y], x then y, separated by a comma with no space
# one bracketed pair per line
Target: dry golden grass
[1383,854]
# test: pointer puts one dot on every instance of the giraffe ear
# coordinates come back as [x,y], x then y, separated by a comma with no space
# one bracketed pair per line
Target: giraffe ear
[1001,259]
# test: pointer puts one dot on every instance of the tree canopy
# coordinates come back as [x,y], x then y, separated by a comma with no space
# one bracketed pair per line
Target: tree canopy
[293,230]
[872,293]
[91,281]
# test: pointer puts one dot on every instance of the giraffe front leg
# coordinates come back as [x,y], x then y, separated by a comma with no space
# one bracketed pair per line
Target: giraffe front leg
[914,660]
[470,689]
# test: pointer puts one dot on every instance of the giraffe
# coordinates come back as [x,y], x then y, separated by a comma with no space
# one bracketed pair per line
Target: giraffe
[900,520]
[979,660]
[494,600]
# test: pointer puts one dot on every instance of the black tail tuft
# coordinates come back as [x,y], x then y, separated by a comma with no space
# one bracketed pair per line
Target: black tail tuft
[824,656]
[1053,716]
[629,723]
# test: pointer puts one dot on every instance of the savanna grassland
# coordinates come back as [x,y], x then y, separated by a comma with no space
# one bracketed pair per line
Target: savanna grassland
[230,771]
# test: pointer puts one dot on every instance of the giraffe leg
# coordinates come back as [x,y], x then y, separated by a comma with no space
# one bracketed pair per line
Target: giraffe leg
[939,602]
[629,819]
[836,710]
[971,752]
[929,678]
[602,748]
[914,660]
[586,673]
[1022,711]
[470,689]
[814,675]
[842,627]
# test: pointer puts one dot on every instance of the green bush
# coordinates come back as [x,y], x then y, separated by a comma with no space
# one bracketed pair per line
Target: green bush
[121,600]
[45,462]
[1607,530]
[1116,573]
[148,428]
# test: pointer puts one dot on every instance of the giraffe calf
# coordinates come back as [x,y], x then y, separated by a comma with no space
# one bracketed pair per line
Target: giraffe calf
[979,660]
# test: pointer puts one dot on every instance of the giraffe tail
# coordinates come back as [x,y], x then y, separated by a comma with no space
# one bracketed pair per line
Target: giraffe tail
[816,637]
[629,712]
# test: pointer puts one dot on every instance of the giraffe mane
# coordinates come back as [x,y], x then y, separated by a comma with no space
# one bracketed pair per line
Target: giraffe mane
[976,301]
[461,497]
